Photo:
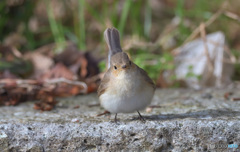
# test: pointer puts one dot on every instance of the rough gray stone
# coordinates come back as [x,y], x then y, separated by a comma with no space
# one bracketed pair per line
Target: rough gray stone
[3,141]
[186,121]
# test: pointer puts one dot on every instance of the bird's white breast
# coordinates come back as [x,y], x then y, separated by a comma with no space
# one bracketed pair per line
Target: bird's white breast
[127,93]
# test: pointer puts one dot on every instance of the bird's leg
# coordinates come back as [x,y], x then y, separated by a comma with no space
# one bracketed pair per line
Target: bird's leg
[141,117]
[115,117]
[104,113]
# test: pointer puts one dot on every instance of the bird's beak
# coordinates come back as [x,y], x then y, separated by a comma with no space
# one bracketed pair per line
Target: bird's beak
[124,66]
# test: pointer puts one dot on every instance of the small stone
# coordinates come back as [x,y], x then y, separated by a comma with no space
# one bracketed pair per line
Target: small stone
[149,109]
[207,96]
[75,120]
[35,149]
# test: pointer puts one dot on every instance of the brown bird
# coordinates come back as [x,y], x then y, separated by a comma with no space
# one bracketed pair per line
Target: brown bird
[125,87]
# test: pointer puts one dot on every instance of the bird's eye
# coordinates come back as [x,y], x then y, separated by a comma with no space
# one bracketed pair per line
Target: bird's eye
[115,67]
[130,62]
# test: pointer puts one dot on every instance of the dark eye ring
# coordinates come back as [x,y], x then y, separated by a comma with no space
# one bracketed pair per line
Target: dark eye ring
[130,62]
[115,67]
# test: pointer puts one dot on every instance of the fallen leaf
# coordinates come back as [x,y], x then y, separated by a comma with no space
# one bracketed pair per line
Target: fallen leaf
[227,94]
[59,71]
[76,107]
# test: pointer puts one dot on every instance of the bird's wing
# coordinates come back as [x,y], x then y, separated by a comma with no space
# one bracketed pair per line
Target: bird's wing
[104,83]
[146,77]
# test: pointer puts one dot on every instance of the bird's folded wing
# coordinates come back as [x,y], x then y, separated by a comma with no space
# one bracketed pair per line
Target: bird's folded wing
[146,77]
[104,83]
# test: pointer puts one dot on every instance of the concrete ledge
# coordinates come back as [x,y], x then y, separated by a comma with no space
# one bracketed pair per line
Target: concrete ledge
[187,121]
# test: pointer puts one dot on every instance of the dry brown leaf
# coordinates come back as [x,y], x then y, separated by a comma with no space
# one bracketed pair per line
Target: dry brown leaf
[59,71]
[41,63]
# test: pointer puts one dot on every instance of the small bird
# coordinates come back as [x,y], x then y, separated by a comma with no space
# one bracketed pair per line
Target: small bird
[125,87]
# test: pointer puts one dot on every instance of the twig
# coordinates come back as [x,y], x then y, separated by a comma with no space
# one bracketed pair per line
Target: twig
[232,15]
[154,106]
[132,43]
[60,80]
[104,113]
[16,52]
[207,23]
[227,50]
[203,35]
[18,81]
[46,48]
[235,99]
[94,105]
[95,78]
[28,83]
[150,108]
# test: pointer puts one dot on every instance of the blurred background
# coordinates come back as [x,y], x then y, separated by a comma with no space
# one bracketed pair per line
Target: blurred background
[42,40]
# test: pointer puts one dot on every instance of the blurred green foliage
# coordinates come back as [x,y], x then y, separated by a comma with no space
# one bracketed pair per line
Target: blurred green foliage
[191,74]
[56,28]
[86,20]
[13,67]
[135,18]
[154,64]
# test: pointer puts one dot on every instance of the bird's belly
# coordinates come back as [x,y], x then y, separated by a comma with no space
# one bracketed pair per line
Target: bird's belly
[125,99]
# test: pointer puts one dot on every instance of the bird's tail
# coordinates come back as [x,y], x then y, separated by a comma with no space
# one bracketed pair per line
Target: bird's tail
[112,38]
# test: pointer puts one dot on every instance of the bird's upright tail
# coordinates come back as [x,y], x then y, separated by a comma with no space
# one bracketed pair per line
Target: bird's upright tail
[112,38]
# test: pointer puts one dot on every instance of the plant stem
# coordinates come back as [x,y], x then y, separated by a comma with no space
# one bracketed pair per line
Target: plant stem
[123,18]
[81,34]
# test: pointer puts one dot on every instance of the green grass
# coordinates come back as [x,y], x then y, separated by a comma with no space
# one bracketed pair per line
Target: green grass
[124,15]
[56,28]
[147,20]
[152,62]
[81,25]
[4,17]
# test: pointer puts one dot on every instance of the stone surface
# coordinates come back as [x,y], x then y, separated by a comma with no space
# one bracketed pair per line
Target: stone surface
[187,120]
[3,141]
